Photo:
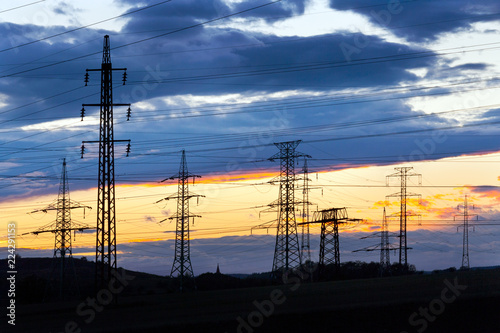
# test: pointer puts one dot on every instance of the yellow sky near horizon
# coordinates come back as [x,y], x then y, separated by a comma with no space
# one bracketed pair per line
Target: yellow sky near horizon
[234,203]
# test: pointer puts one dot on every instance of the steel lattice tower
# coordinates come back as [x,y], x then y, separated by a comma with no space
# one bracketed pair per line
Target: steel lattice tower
[385,255]
[62,228]
[182,259]
[106,218]
[403,173]
[384,246]
[287,250]
[306,243]
[465,249]
[329,246]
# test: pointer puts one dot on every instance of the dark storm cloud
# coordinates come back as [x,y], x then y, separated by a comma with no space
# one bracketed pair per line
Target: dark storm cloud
[209,62]
[322,60]
[189,12]
[471,67]
[274,12]
[423,20]
[23,85]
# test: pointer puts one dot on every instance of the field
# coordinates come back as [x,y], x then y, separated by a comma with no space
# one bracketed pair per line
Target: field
[461,301]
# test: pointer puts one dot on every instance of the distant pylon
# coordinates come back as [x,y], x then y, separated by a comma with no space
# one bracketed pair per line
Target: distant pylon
[106,218]
[62,228]
[182,259]
[403,173]
[385,256]
[384,246]
[465,248]
[306,243]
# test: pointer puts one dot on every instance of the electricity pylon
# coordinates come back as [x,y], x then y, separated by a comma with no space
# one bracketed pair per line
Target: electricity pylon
[106,218]
[385,246]
[385,255]
[182,259]
[465,250]
[287,249]
[329,246]
[62,228]
[403,173]
[306,243]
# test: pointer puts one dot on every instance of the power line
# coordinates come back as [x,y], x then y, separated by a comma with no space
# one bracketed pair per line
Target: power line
[22,6]
[327,65]
[82,27]
[136,42]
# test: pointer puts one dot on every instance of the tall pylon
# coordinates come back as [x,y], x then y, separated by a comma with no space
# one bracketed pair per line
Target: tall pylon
[287,250]
[465,249]
[106,219]
[403,173]
[62,228]
[182,259]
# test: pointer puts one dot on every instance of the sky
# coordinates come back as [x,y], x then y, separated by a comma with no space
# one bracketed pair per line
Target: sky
[367,86]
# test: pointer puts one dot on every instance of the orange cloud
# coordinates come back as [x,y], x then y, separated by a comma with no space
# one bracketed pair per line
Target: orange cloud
[489,192]
[381,204]
[214,178]
[443,212]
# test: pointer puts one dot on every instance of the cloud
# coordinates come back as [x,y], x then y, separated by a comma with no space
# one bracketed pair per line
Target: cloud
[148,218]
[443,212]
[423,20]
[486,191]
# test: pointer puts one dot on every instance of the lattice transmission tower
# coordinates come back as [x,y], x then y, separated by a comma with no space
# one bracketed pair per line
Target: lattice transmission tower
[106,218]
[182,259]
[404,173]
[62,228]
[465,249]
[329,246]
[384,246]
[306,240]
[287,249]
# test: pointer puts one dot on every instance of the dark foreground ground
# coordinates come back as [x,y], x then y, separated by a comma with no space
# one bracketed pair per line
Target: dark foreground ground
[462,301]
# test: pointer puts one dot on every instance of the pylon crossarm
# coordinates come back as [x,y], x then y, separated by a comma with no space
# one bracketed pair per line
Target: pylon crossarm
[170,197]
[50,227]
[177,216]
[52,206]
[266,225]
[175,196]
[373,235]
[186,176]
[80,225]
[99,69]
[369,248]
[377,247]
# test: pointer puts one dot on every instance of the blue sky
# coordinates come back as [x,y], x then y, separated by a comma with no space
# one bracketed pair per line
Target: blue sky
[362,83]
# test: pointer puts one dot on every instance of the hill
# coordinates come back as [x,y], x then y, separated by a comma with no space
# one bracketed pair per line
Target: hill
[459,301]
